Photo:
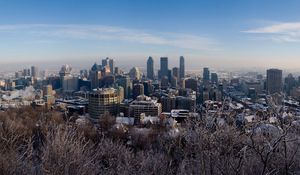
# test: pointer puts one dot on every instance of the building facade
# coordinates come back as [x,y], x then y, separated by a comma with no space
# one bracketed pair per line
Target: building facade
[102,101]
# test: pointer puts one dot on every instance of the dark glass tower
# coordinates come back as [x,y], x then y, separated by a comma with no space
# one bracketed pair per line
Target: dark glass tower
[206,74]
[274,81]
[181,67]
[150,68]
[164,70]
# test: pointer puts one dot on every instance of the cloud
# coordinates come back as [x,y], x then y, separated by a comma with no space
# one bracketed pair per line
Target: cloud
[100,32]
[279,32]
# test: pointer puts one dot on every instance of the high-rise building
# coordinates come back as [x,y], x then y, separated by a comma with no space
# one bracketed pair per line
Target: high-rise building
[117,71]
[214,78]
[206,74]
[168,103]
[148,88]
[137,90]
[107,81]
[109,63]
[18,74]
[103,101]
[150,68]
[135,73]
[125,82]
[68,82]
[95,76]
[181,67]
[174,82]
[164,69]
[120,91]
[105,62]
[176,72]
[274,81]
[65,70]
[26,72]
[191,84]
[289,83]
[164,83]
[187,103]
[34,71]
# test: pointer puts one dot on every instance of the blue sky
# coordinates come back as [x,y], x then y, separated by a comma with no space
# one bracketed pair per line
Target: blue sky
[216,33]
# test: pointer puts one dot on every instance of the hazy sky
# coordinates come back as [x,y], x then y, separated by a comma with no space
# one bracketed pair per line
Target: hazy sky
[216,33]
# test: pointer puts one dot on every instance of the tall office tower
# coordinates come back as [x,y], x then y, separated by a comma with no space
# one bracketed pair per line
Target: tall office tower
[125,82]
[289,83]
[176,72]
[274,81]
[95,76]
[148,88]
[26,72]
[181,67]
[214,78]
[111,64]
[164,83]
[107,81]
[105,62]
[137,90]
[84,73]
[191,84]
[65,71]
[18,74]
[174,82]
[150,68]
[164,69]
[205,74]
[117,71]
[34,71]
[103,101]
[135,73]
[68,82]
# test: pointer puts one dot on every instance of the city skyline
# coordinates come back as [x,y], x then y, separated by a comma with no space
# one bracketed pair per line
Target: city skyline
[207,33]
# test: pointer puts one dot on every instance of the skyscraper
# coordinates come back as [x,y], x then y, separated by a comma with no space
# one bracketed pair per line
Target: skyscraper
[95,76]
[176,72]
[191,84]
[34,71]
[135,73]
[206,74]
[274,81]
[164,69]
[214,78]
[181,68]
[150,68]
[289,83]
[138,89]
[125,82]
[105,62]
[69,83]
[110,63]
